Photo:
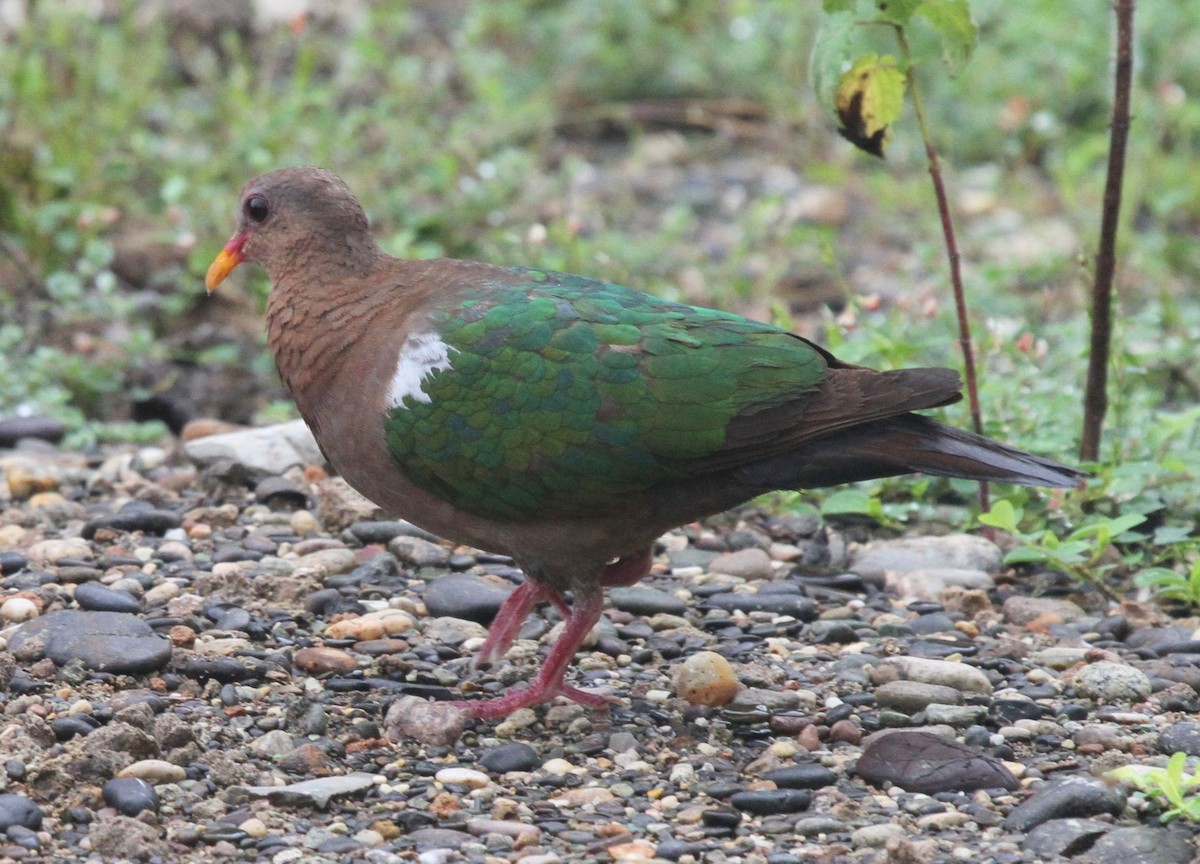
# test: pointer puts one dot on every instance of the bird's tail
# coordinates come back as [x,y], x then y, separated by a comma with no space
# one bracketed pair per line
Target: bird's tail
[904,444]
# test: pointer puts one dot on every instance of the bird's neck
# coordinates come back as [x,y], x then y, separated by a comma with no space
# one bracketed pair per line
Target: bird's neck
[314,327]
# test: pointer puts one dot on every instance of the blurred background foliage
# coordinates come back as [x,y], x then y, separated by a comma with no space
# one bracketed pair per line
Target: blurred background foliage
[675,145]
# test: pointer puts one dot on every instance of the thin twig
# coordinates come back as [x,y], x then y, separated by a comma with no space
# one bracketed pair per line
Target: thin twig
[1095,400]
[960,301]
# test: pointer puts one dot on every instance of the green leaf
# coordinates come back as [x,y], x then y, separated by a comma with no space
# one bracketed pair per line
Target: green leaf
[1003,516]
[952,21]
[833,7]
[831,53]
[847,502]
[898,11]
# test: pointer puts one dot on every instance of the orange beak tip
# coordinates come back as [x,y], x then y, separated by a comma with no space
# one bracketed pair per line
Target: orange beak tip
[224,264]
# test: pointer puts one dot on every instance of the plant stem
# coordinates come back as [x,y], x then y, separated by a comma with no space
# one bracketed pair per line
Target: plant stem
[960,301]
[1095,400]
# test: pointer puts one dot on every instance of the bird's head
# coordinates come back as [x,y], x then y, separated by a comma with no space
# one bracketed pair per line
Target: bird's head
[287,216]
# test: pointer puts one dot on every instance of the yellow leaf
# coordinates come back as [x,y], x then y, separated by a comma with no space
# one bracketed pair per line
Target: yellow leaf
[869,98]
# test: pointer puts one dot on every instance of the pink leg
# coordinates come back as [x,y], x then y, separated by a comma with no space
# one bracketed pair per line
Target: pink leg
[507,623]
[548,682]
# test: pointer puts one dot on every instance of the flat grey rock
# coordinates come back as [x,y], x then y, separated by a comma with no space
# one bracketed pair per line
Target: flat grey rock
[104,641]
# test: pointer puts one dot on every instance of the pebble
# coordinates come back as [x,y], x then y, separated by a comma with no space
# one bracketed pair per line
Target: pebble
[419,552]
[642,600]
[1142,844]
[134,516]
[706,678]
[103,641]
[913,696]
[1021,610]
[955,676]
[1063,837]
[461,595]
[923,762]
[130,795]
[372,625]
[463,777]
[766,802]
[18,609]
[1180,737]
[753,563]
[517,756]
[314,793]
[95,597]
[953,551]
[15,429]
[19,810]
[803,776]
[435,723]
[321,660]
[1066,797]
[262,452]
[778,602]
[154,771]
[1112,682]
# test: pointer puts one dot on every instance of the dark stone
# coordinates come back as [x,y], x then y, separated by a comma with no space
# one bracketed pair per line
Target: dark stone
[460,595]
[924,762]
[11,562]
[673,850]
[104,641]
[278,492]
[24,837]
[383,531]
[1065,797]
[98,598]
[1008,711]
[1142,844]
[19,810]
[66,728]
[510,757]
[642,600]
[1185,646]
[766,802]
[721,817]
[804,776]
[933,622]
[134,516]
[13,429]
[1065,837]
[223,669]
[779,603]
[130,795]
[1181,737]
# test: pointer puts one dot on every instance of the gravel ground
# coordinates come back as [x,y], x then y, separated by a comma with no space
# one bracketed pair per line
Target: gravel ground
[217,653]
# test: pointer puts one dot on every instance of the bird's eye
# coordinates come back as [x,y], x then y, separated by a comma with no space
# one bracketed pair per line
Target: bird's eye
[256,208]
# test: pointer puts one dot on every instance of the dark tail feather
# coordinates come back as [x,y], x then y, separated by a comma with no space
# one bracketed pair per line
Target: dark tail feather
[906,444]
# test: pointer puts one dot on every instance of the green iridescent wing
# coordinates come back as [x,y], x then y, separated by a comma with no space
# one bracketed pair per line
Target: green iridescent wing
[563,396]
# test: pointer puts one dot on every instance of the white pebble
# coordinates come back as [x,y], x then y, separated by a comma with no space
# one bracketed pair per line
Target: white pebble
[463,777]
[18,609]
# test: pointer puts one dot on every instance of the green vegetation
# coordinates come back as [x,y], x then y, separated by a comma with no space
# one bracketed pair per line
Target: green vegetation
[667,145]
[1171,788]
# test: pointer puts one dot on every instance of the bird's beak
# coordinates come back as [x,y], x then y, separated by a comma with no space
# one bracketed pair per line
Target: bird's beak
[230,257]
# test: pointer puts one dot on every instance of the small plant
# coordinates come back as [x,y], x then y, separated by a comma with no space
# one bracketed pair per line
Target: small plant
[1169,584]
[1168,787]
[1080,553]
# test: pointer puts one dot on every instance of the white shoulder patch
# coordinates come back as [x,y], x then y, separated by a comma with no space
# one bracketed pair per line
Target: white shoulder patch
[421,355]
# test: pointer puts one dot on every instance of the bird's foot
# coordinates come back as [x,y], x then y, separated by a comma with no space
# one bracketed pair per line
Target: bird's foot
[502,706]
[549,681]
